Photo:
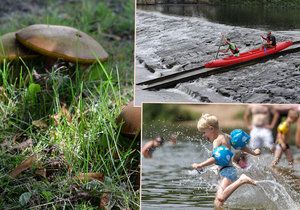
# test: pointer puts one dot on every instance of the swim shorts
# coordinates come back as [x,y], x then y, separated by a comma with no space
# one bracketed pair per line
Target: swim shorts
[261,137]
[229,172]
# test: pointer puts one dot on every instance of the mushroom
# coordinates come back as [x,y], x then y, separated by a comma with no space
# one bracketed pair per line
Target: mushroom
[62,42]
[10,49]
[131,116]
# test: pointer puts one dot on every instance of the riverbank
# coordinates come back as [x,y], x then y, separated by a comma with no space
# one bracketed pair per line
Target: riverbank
[277,3]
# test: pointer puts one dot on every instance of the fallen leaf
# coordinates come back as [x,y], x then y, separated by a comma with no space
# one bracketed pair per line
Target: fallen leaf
[23,166]
[25,198]
[91,176]
[42,172]
[104,201]
[23,145]
[40,124]
[64,112]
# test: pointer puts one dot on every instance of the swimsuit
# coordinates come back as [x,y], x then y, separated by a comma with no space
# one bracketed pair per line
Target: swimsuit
[228,172]
[261,137]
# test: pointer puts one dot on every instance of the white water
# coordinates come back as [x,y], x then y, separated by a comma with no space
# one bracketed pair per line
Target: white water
[278,194]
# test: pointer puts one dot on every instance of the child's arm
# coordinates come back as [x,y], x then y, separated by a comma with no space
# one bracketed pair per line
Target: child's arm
[208,162]
[145,149]
[251,152]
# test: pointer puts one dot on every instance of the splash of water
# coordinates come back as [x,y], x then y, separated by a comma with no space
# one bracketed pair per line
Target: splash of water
[278,194]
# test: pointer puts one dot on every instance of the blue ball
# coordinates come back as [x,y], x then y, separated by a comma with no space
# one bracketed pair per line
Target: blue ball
[239,139]
[222,155]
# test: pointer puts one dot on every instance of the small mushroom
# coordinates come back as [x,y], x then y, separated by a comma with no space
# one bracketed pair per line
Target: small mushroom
[62,42]
[131,116]
[10,49]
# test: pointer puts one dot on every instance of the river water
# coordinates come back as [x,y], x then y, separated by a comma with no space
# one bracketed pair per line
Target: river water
[172,38]
[168,181]
[250,16]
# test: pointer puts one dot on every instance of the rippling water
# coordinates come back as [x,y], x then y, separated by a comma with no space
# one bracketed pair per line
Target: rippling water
[253,16]
[168,182]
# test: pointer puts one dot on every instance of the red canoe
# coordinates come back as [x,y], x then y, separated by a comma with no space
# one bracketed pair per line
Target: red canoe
[247,56]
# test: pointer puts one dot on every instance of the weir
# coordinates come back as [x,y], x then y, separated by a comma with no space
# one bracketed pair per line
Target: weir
[172,80]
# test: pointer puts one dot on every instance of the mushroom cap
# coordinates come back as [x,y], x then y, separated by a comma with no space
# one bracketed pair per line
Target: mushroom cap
[131,116]
[62,42]
[10,49]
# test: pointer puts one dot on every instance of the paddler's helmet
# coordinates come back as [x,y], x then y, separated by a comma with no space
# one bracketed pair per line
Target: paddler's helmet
[239,139]
[222,155]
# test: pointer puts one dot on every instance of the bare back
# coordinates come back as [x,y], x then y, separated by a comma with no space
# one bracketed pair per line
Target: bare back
[222,140]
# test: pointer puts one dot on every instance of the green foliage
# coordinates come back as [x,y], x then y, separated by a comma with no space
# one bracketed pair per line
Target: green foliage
[166,112]
[33,90]
[91,141]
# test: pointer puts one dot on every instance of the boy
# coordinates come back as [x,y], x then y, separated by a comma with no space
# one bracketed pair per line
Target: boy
[151,146]
[208,125]
[282,138]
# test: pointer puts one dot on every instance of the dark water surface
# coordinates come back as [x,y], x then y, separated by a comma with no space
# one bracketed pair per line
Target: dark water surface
[236,15]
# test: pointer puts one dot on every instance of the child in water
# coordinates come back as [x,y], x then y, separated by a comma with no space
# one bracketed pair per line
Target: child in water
[151,146]
[282,138]
[208,125]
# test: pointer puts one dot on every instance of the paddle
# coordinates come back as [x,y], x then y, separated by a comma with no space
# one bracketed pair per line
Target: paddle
[221,41]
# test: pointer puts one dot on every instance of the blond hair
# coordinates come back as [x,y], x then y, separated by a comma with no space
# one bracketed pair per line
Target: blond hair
[207,120]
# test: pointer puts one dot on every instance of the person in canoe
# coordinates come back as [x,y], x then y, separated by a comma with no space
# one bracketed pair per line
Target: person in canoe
[232,47]
[270,40]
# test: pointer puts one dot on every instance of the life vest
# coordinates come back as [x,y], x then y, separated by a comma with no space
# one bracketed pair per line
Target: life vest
[271,38]
[233,48]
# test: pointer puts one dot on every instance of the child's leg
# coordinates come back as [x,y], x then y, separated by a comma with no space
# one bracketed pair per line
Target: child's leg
[224,193]
[289,156]
[224,183]
[278,153]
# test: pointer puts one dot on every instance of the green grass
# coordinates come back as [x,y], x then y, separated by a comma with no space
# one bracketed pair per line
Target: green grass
[91,141]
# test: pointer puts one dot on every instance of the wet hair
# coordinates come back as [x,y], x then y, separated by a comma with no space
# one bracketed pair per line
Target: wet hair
[160,140]
[207,120]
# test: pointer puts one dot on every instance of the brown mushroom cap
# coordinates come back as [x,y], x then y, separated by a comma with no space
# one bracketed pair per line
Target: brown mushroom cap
[131,116]
[10,49]
[62,42]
